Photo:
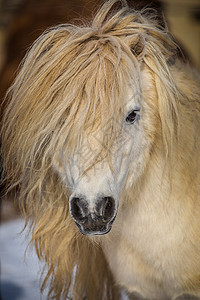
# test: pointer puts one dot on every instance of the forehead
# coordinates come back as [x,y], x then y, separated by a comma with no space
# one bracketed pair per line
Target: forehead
[100,87]
[132,98]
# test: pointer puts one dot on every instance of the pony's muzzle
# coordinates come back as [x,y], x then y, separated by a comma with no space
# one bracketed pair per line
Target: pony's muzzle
[95,221]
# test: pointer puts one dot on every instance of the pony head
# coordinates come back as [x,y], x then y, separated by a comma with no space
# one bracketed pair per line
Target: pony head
[101,164]
[87,107]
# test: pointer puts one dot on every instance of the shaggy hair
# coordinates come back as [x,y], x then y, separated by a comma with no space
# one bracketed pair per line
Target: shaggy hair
[72,79]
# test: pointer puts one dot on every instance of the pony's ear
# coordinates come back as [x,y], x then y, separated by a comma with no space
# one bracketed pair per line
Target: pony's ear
[138,46]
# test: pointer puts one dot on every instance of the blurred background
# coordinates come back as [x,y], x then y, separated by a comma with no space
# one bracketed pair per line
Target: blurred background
[21,22]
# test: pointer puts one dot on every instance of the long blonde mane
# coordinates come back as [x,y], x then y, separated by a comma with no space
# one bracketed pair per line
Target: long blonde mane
[71,77]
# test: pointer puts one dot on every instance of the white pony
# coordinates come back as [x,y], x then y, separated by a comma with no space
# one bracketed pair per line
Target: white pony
[102,130]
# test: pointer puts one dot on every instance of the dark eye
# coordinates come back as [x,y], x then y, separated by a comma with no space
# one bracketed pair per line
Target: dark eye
[131,117]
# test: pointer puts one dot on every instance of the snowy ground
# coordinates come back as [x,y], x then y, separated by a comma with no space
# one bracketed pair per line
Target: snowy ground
[20,274]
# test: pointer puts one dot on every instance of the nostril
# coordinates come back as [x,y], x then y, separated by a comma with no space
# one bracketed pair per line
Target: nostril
[78,209]
[108,208]
[75,207]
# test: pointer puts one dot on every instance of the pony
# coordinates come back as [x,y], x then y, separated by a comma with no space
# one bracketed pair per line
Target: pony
[100,136]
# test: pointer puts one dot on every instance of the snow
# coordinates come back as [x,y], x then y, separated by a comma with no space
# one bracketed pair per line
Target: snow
[20,273]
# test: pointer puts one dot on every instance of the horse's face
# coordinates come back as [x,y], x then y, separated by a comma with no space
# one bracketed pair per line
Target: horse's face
[96,190]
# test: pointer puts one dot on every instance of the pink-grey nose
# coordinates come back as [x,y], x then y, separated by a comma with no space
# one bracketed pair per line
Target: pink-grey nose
[95,222]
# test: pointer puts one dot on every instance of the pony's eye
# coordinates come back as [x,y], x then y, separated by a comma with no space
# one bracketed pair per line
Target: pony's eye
[131,117]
